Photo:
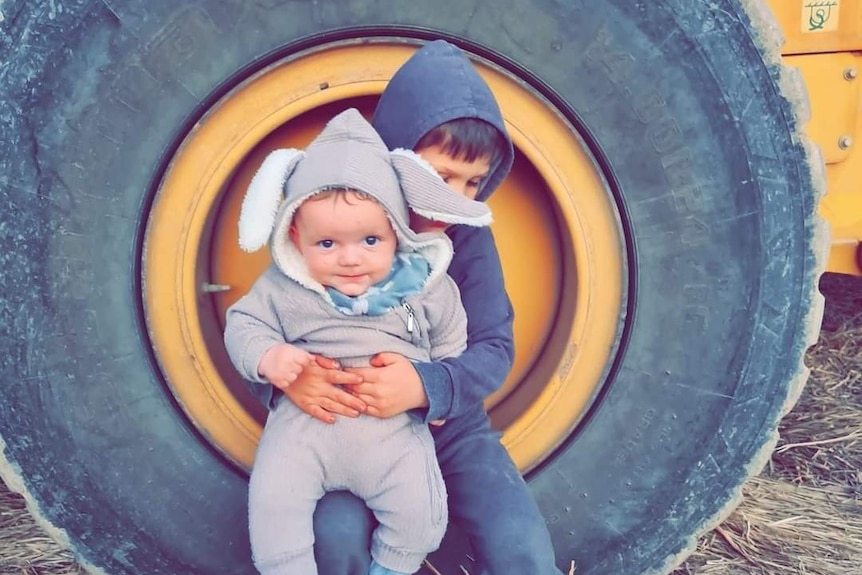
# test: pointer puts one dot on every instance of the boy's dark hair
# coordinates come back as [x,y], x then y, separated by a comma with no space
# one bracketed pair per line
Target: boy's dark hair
[467,138]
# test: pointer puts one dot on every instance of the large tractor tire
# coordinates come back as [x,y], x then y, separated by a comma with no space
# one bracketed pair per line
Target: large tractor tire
[658,234]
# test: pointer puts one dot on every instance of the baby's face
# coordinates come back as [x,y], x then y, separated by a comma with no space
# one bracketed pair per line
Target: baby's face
[346,241]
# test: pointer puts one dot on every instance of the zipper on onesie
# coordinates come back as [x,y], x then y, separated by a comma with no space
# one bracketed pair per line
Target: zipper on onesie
[411,318]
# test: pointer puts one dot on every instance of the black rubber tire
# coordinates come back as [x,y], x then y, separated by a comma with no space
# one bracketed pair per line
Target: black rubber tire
[701,148]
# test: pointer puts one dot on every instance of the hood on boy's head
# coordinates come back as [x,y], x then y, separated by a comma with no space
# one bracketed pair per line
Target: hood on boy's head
[438,84]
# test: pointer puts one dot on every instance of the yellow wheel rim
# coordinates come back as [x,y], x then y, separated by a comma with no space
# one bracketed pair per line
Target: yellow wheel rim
[555,223]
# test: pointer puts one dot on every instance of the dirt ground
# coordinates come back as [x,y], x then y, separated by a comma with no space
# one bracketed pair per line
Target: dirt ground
[802,515]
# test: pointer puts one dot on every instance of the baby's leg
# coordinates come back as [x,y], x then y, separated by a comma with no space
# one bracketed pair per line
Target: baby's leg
[283,492]
[407,495]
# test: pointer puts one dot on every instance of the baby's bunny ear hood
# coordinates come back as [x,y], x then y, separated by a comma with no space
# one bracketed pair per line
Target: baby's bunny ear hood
[348,154]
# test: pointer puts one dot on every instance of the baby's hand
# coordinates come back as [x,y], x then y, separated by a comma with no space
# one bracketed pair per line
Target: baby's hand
[281,364]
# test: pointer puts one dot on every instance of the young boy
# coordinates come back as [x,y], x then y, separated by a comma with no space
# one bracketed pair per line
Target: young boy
[348,279]
[437,105]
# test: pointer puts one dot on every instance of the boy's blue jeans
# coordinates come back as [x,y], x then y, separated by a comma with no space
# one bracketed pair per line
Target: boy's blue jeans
[377,569]
[487,498]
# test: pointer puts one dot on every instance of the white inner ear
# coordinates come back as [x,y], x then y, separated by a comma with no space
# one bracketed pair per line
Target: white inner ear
[265,193]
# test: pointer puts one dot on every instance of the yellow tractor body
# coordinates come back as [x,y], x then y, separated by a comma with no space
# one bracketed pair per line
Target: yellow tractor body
[823,39]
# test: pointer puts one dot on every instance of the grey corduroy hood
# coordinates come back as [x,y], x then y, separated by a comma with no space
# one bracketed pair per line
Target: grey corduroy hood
[349,154]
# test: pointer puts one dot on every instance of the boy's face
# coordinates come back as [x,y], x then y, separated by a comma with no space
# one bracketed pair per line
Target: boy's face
[459,174]
[346,241]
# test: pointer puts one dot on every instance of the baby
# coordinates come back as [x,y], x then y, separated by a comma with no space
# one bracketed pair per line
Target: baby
[349,279]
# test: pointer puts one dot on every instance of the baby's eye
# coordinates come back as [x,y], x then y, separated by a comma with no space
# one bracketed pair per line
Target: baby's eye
[444,177]
[474,183]
[371,240]
[325,244]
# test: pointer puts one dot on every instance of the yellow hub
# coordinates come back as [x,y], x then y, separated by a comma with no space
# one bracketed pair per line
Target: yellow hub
[555,224]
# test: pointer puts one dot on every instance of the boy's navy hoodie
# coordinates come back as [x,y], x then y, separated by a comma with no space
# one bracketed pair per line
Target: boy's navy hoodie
[436,85]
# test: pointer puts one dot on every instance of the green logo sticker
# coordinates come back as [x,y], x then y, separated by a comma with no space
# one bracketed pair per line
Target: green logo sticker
[820,15]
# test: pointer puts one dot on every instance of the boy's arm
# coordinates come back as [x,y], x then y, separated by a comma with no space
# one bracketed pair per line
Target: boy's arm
[455,385]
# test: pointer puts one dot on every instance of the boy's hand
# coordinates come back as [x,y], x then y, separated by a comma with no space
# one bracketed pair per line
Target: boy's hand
[281,364]
[316,391]
[391,386]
